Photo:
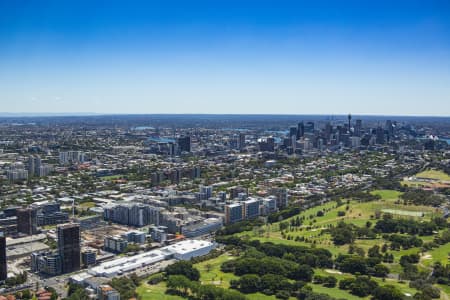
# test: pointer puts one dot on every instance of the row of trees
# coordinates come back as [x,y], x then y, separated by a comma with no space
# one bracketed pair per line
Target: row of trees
[269,284]
[363,286]
[355,264]
[421,197]
[344,233]
[126,286]
[390,225]
[403,241]
[16,280]
[238,227]
[268,265]
[181,285]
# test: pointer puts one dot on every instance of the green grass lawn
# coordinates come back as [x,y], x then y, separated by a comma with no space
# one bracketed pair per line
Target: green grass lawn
[157,291]
[210,272]
[335,292]
[387,194]
[359,213]
[434,174]
[403,287]
[208,275]
[86,205]
[440,254]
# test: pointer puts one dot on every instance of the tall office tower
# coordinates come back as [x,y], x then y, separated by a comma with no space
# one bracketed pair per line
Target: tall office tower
[349,123]
[27,221]
[184,144]
[293,131]
[34,165]
[175,176]
[300,130]
[69,246]
[328,129]
[267,144]
[31,166]
[206,190]
[389,128]
[309,127]
[380,135]
[3,265]
[358,127]
[241,141]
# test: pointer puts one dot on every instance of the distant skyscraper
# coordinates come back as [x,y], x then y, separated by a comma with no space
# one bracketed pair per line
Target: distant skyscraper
[31,166]
[241,141]
[3,264]
[358,127]
[267,144]
[300,130]
[309,127]
[69,247]
[27,221]
[349,123]
[293,131]
[389,129]
[184,144]
[380,135]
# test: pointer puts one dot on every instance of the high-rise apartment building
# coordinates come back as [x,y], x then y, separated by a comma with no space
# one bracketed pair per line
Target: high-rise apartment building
[184,144]
[234,213]
[241,141]
[26,221]
[3,264]
[69,246]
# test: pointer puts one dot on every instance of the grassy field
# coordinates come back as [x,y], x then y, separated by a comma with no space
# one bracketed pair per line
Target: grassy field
[157,291]
[387,194]
[358,213]
[211,273]
[87,205]
[439,179]
[440,254]
[434,174]
[335,292]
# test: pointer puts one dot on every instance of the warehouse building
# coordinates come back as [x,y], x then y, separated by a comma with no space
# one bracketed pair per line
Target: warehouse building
[183,250]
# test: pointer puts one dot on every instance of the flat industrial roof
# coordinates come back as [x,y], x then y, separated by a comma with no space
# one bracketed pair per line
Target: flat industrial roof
[187,246]
[126,264]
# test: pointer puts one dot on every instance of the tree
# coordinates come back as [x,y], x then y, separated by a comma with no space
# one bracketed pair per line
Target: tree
[380,271]
[125,286]
[183,268]
[374,251]
[283,295]
[178,282]
[330,282]
[387,292]
[363,286]
[249,283]
[303,273]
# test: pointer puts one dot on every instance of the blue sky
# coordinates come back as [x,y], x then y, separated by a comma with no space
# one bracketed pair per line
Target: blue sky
[288,57]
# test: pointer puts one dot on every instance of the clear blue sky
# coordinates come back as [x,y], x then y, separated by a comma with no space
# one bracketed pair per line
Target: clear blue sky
[290,57]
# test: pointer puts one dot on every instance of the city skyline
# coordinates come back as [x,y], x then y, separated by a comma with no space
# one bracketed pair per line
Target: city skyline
[225,58]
